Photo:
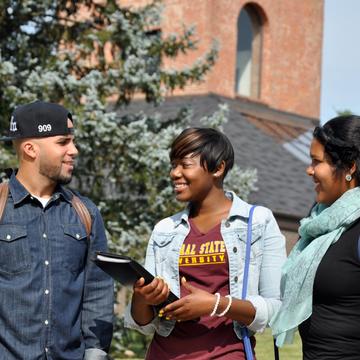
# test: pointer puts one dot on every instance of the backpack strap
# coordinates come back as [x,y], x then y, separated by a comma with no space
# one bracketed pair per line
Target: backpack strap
[4,192]
[83,213]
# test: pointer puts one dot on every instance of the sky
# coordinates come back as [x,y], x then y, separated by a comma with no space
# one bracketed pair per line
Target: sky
[340,84]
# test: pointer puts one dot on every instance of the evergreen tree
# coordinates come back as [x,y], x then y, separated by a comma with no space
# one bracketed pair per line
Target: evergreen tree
[344,112]
[94,64]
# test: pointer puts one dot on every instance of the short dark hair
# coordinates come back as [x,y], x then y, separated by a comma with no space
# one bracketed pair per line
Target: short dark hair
[341,139]
[212,146]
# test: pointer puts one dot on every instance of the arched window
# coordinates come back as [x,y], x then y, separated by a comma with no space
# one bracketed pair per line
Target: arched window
[248,56]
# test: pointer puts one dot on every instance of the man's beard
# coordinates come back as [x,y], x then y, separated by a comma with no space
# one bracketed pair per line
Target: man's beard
[54,173]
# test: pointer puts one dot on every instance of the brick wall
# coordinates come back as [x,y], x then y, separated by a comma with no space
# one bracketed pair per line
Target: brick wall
[291,50]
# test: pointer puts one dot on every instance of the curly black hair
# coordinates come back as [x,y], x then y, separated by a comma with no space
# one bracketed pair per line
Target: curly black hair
[341,139]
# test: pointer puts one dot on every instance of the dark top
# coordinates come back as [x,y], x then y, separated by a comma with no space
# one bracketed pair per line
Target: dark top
[333,330]
[55,303]
[204,263]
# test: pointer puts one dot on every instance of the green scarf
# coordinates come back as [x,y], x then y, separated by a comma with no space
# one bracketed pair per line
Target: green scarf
[317,232]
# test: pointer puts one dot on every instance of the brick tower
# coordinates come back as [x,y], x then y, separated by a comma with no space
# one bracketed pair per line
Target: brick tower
[270,51]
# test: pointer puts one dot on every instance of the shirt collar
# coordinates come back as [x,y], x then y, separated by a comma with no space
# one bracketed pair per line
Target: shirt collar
[65,193]
[239,208]
[19,193]
[17,190]
[182,217]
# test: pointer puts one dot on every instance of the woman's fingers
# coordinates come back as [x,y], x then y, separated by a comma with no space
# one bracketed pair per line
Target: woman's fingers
[160,293]
[174,310]
[154,293]
[198,303]
[174,306]
[139,283]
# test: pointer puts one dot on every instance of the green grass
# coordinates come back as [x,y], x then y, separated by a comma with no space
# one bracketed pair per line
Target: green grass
[265,350]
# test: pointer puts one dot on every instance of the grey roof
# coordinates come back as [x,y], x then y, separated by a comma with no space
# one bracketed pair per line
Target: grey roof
[299,147]
[274,142]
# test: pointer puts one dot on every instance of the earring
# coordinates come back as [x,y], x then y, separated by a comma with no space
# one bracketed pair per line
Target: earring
[348,177]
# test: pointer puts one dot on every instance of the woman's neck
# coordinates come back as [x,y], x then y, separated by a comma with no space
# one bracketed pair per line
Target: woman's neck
[214,203]
[210,212]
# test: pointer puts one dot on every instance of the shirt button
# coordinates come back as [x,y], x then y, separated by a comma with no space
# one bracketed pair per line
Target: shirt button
[46,262]
[236,279]
[8,237]
[227,223]
[47,292]
[77,236]
[44,236]
[235,249]
[46,322]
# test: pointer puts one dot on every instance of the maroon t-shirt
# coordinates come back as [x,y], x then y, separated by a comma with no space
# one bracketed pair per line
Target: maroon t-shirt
[204,263]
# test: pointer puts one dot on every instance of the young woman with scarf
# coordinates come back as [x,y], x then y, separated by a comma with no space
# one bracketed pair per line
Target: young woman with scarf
[321,278]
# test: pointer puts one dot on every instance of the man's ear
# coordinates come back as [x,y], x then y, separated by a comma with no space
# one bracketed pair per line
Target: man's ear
[220,170]
[29,148]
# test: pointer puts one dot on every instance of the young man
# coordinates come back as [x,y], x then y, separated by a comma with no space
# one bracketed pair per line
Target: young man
[54,301]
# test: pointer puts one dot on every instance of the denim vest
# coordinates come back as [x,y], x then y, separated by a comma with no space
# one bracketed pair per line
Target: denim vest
[267,257]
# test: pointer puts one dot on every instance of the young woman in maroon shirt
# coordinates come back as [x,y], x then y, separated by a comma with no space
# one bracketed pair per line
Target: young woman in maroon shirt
[199,255]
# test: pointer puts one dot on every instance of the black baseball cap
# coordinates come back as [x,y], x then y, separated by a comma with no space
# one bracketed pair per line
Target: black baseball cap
[38,119]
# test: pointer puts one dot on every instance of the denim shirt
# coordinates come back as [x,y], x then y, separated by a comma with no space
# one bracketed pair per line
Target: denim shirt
[267,257]
[55,303]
